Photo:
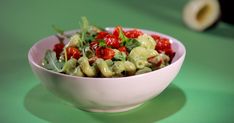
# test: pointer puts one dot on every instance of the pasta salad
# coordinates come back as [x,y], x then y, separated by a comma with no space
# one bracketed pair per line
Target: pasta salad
[95,52]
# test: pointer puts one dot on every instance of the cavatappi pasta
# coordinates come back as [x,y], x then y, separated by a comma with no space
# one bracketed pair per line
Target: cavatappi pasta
[95,52]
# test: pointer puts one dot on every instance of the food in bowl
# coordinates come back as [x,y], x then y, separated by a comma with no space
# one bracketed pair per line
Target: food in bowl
[102,94]
[95,52]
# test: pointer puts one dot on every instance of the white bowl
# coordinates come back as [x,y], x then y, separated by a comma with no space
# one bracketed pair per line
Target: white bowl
[105,94]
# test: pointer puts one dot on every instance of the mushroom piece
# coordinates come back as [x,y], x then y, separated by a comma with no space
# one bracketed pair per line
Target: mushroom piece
[201,14]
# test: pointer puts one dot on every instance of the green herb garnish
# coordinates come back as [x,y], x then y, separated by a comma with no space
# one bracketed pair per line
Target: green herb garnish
[132,43]
[50,61]
[58,30]
[121,56]
[102,43]
[129,43]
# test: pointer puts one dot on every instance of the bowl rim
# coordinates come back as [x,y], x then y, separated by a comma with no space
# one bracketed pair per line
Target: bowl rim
[32,62]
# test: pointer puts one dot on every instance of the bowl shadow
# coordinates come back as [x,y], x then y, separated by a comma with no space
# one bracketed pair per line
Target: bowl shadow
[42,104]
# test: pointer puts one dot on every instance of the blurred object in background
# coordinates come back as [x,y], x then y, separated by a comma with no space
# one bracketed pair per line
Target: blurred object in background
[200,15]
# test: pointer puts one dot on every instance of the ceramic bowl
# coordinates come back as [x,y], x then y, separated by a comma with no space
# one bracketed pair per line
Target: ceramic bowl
[105,94]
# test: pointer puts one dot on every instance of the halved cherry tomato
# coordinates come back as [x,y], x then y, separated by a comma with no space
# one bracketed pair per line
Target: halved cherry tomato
[163,44]
[108,53]
[117,30]
[156,37]
[170,53]
[123,49]
[101,35]
[112,41]
[133,33]
[73,52]
[58,48]
[94,45]
[98,52]
[105,53]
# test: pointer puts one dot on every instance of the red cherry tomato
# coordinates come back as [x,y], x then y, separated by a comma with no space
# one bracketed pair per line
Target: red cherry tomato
[58,48]
[101,35]
[133,33]
[163,44]
[170,53]
[156,37]
[105,53]
[98,52]
[117,30]
[73,52]
[112,41]
[123,49]
[108,53]
[94,45]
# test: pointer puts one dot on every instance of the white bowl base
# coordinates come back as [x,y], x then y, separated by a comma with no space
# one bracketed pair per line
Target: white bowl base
[113,110]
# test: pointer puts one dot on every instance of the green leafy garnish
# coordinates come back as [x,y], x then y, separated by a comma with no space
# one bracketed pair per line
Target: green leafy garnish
[123,37]
[84,27]
[120,56]
[50,61]
[90,36]
[102,43]
[58,30]
[132,43]
[85,24]
[129,43]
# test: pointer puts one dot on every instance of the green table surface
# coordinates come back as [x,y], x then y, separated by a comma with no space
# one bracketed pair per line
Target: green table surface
[203,91]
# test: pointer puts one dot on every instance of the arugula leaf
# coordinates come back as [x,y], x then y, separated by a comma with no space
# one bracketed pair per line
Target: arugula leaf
[123,37]
[102,43]
[84,29]
[120,56]
[132,43]
[129,43]
[90,36]
[85,24]
[58,30]
[50,62]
